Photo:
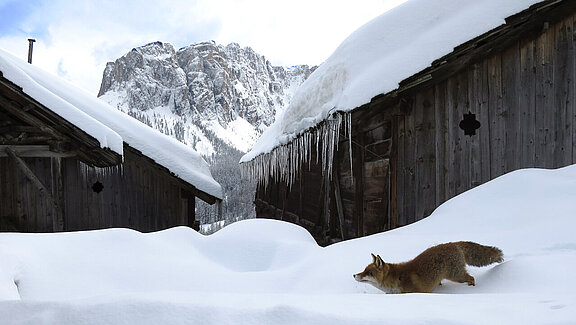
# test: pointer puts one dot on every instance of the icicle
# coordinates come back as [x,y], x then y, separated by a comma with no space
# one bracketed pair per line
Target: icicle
[284,162]
[349,129]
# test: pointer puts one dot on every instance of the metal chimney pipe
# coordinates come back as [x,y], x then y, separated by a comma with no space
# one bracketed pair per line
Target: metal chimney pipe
[30,48]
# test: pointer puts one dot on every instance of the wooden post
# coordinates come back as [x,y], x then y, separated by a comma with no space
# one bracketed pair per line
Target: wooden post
[326,223]
[338,199]
[58,223]
[393,177]
[219,204]
[358,175]
[38,184]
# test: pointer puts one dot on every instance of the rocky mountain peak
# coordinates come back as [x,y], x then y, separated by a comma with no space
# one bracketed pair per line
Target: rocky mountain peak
[200,91]
[214,98]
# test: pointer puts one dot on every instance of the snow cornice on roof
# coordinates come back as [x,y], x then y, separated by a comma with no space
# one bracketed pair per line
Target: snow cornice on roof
[412,46]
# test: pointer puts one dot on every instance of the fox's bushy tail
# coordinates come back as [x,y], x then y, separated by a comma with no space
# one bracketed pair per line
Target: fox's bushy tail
[480,255]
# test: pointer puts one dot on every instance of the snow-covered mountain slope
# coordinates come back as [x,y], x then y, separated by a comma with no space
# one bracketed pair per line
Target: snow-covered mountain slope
[201,91]
[272,272]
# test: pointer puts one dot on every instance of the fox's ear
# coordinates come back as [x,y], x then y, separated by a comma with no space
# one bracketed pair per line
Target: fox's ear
[379,262]
[374,258]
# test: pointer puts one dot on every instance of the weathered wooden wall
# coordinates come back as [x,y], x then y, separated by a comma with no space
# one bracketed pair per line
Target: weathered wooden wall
[409,155]
[524,98]
[138,195]
[304,203]
[364,185]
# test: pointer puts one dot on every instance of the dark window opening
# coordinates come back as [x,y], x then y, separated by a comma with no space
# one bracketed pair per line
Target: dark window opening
[469,124]
[97,187]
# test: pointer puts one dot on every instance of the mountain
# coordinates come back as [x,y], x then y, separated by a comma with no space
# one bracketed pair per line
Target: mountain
[201,92]
[216,99]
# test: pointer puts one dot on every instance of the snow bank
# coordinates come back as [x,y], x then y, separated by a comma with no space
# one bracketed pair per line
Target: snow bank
[108,125]
[271,272]
[379,55]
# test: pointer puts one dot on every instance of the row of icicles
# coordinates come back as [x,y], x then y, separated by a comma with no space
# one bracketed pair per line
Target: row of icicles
[284,162]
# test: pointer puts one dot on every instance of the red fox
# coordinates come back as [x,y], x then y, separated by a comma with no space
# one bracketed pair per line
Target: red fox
[427,270]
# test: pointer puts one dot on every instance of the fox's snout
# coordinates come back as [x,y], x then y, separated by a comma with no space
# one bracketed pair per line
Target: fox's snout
[358,277]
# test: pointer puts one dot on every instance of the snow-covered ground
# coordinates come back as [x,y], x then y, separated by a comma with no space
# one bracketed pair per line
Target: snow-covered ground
[270,272]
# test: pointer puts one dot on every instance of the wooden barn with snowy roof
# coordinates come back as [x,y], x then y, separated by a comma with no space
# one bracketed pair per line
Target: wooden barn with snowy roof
[68,161]
[428,100]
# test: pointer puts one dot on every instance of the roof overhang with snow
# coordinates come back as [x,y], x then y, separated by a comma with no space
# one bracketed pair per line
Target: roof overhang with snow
[414,45]
[32,130]
[66,112]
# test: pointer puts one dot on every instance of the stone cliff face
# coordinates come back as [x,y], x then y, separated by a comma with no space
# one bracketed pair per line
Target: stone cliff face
[201,92]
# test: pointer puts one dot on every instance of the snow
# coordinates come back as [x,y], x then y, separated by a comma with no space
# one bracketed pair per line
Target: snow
[39,85]
[239,133]
[270,272]
[376,57]
[108,125]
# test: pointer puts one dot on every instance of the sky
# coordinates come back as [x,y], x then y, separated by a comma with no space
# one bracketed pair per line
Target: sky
[75,39]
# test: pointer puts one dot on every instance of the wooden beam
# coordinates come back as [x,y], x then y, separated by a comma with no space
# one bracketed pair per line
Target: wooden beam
[219,204]
[14,109]
[58,190]
[57,220]
[393,176]
[32,113]
[338,199]
[327,212]
[34,151]
[358,179]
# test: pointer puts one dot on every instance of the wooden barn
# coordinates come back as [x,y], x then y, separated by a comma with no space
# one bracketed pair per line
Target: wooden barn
[70,162]
[501,101]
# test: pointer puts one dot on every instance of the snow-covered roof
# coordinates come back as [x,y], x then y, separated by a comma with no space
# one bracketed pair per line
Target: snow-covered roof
[108,125]
[379,55]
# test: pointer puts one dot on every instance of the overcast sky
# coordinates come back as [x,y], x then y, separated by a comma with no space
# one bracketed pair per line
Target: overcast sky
[75,38]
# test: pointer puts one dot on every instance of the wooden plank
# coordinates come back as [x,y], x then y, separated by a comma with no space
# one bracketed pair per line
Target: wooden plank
[338,201]
[497,117]
[441,143]
[527,104]
[38,151]
[511,108]
[545,145]
[409,206]
[480,154]
[401,215]
[425,171]
[452,139]
[462,146]
[393,204]
[358,174]
[58,190]
[564,89]
[472,150]
[300,184]
[8,197]
[74,193]
[573,78]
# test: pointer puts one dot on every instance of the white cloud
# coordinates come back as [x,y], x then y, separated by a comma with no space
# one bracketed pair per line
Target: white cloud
[75,39]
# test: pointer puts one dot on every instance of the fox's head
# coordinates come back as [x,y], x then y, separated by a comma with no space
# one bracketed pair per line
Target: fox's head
[375,273]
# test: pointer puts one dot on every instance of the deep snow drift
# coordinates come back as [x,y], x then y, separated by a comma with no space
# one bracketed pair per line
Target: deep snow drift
[271,272]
